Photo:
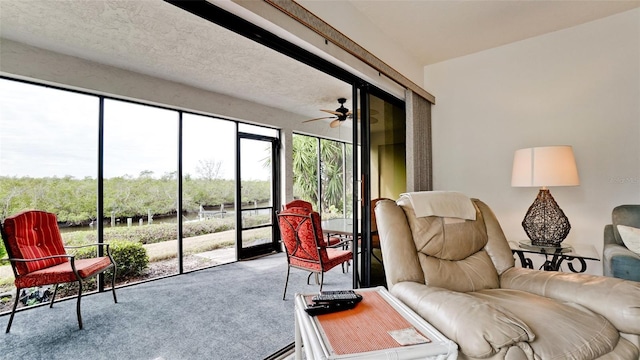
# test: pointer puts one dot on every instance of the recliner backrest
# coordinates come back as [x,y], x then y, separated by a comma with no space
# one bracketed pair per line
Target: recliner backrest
[451,251]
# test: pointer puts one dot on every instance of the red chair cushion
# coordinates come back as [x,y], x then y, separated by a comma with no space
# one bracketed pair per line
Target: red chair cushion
[34,234]
[301,226]
[62,273]
[334,257]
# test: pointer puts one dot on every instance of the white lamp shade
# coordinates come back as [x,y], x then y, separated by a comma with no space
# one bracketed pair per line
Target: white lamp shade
[545,166]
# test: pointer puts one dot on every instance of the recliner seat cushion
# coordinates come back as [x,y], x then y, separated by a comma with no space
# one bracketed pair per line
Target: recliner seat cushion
[559,328]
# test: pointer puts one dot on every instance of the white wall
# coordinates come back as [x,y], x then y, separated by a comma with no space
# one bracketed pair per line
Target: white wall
[579,87]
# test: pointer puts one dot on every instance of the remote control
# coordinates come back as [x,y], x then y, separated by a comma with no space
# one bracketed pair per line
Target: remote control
[320,309]
[336,296]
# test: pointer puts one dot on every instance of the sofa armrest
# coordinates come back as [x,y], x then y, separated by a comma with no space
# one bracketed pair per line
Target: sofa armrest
[480,329]
[616,299]
[620,262]
[608,236]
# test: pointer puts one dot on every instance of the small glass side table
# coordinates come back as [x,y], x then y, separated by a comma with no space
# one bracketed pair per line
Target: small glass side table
[554,257]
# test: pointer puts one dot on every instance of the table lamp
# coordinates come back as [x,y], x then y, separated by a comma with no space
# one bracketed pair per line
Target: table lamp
[545,223]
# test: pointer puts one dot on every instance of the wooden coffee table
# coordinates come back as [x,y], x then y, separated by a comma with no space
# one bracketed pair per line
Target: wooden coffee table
[363,332]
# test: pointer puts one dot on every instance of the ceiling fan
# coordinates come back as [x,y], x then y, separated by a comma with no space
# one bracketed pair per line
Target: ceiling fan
[339,115]
[342,114]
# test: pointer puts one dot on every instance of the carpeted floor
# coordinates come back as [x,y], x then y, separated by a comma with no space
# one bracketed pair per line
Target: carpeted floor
[232,311]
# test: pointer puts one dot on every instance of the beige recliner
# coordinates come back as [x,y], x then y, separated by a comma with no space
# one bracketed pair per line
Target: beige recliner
[452,265]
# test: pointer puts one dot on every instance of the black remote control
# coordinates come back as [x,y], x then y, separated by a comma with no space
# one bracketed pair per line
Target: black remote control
[336,296]
[320,309]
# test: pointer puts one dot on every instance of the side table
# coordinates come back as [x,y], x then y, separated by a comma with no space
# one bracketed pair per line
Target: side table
[363,332]
[554,257]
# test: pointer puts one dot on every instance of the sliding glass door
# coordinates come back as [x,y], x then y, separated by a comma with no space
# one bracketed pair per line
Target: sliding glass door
[383,173]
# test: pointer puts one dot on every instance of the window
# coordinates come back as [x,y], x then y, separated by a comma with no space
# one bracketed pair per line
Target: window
[208,191]
[331,191]
[140,179]
[48,157]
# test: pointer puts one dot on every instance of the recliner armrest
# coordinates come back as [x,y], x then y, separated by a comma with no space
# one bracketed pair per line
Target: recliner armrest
[616,299]
[465,319]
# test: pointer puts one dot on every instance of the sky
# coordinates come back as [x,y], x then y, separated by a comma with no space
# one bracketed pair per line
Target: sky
[47,132]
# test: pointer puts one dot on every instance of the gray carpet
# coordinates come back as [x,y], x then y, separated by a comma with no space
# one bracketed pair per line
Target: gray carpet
[232,311]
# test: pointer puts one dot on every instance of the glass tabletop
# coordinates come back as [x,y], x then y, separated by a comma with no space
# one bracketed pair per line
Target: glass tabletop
[569,250]
[338,226]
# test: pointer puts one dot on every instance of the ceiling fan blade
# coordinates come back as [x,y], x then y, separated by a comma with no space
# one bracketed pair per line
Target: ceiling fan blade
[326,117]
[335,123]
[332,112]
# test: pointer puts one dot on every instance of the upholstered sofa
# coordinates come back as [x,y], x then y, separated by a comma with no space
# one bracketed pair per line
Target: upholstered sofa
[458,273]
[618,260]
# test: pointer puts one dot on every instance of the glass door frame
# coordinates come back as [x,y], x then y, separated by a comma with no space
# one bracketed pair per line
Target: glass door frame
[274,245]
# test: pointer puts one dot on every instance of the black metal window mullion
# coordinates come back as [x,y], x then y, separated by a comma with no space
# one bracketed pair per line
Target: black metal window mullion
[319,174]
[275,188]
[179,204]
[366,189]
[356,204]
[344,174]
[100,194]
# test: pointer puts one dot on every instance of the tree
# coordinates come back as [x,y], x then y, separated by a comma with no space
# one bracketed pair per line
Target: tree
[305,168]
[209,169]
[332,174]
[332,171]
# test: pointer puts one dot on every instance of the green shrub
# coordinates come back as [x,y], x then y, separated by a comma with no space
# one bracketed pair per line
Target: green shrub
[130,257]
